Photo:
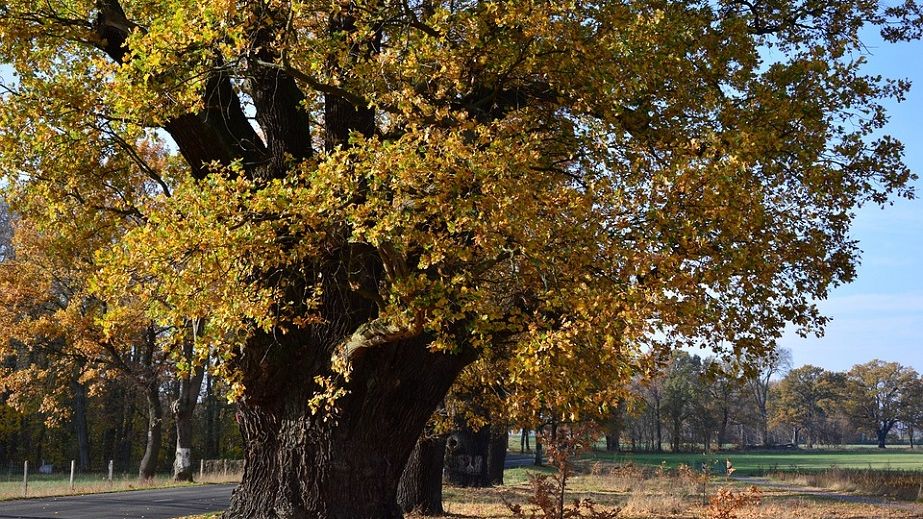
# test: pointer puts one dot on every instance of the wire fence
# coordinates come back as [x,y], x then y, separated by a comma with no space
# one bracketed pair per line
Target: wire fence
[46,479]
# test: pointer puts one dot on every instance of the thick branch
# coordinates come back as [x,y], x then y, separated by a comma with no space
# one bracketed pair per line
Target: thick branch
[280,104]
[220,133]
[342,115]
[376,333]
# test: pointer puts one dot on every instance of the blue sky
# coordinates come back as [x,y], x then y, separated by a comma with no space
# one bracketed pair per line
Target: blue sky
[880,314]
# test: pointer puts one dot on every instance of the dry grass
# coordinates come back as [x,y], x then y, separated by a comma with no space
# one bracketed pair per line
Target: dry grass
[649,493]
[801,508]
[652,493]
[43,486]
[656,497]
[899,484]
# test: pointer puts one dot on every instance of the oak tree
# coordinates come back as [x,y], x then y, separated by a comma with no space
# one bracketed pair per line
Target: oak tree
[804,399]
[874,396]
[360,197]
[759,383]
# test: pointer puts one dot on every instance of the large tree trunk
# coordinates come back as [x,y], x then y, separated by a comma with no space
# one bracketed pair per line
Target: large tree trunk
[80,426]
[420,487]
[344,462]
[882,435]
[149,461]
[466,460]
[189,386]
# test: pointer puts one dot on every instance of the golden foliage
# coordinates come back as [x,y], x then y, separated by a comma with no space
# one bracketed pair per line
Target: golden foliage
[578,183]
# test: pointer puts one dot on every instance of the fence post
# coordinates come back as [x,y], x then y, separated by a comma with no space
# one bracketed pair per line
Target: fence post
[225,462]
[201,470]
[73,466]
[110,471]
[25,478]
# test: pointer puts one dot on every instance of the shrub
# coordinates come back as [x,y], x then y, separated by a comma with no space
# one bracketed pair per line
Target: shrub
[726,503]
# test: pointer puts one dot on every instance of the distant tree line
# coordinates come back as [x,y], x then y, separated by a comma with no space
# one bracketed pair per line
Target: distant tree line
[73,389]
[113,425]
[703,403]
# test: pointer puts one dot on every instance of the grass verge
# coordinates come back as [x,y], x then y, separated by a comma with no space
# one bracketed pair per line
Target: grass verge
[45,486]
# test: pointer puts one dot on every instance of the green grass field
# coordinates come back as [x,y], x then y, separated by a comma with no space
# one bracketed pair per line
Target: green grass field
[759,462]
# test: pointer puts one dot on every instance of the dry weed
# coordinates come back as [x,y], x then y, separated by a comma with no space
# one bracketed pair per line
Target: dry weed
[726,503]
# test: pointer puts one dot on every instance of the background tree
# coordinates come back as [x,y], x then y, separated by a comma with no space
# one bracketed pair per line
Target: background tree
[682,390]
[614,425]
[189,381]
[6,231]
[420,179]
[759,383]
[803,399]
[722,401]
[653,396]
[874,393]
[912,408]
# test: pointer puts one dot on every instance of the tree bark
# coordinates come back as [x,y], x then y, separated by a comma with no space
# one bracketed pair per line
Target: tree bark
[882,435]
[420,487]
[466,460]
[149,461]
[336,464]
[496,454]
[537,461]
[524,441]
[183,410]
[80,426]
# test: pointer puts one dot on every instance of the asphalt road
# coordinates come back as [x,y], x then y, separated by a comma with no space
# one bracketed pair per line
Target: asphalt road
[164,503]
[137,504]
